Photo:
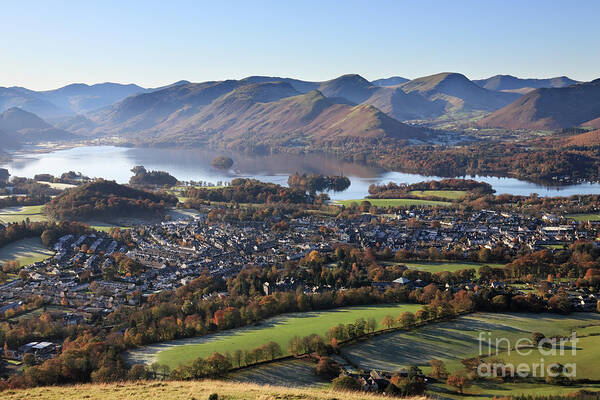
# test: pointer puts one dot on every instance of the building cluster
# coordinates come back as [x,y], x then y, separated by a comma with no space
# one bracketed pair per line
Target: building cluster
[41,351]
[65,278]
[423,229]
[175,252]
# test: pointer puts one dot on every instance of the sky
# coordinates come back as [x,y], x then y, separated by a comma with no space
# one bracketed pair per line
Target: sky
[48,44]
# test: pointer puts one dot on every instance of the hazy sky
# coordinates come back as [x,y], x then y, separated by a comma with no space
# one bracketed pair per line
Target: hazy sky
[50,43]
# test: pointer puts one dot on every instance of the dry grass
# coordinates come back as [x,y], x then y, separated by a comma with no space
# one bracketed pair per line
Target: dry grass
[591,138]
[198,390]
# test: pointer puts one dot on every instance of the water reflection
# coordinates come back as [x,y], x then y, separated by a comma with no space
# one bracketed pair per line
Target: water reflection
[195,164]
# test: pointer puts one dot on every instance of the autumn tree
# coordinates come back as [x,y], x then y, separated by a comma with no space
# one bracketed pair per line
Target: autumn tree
[406,319]
[438,369]
[459,381]
[388,321]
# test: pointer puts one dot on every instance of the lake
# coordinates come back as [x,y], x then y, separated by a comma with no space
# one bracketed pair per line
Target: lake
[114,163]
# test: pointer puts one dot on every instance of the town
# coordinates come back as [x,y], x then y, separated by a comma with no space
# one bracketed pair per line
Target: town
[82,274]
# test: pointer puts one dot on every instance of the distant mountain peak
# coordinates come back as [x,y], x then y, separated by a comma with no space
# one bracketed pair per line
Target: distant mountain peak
[391,81]
[26,126]
[355,78]
[16,118]
[513,83]
[263,92]
[550,108]
[351,87]
[458,92]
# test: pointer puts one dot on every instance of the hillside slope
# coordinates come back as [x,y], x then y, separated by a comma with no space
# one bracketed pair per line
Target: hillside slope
[406,106]
[509,82]
[69,100]
[24,126]
[237,113]
[80,98]
[458,92]
[7,141]
[106,199]
[594,124]
[591,138]
[28,101]
[172,390]
[353,88]
[550,109]
[299,85]
[144,111]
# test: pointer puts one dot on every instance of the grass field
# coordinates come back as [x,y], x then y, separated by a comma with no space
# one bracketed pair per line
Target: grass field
[178,191]
[279,329]
[291,373]
[442,194]
[584,217]
[445,266]
[585,357]
[451,342]
[555,246]
[18,214]
[57,185]
[177,390]
[39,311]
[182,213]
[456,340]
[105,226]
[25,251]
[395,202]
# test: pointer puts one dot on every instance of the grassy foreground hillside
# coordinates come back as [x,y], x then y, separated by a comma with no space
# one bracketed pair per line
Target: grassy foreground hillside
[179,390]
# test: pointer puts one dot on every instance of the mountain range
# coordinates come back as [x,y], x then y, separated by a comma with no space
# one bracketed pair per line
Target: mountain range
[550,109]
[509,83]
[233,112]
[68,100]
[276,108]
[287,111]
[18,126]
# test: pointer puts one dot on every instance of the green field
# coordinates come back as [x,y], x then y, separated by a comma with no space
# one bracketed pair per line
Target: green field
[395,202]
[25,251]
[555,246]
[39,311]
[178,191]
[585,357]
[59,186]
[279,329]
[182,213]
[443,194]
[451,342]
[434,267]
[18,214]
[584,217]
[105,226]
[293,373]
[456,340]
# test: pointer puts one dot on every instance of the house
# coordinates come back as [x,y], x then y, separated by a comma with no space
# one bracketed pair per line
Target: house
[402,281]
[267,289]
[11,306]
